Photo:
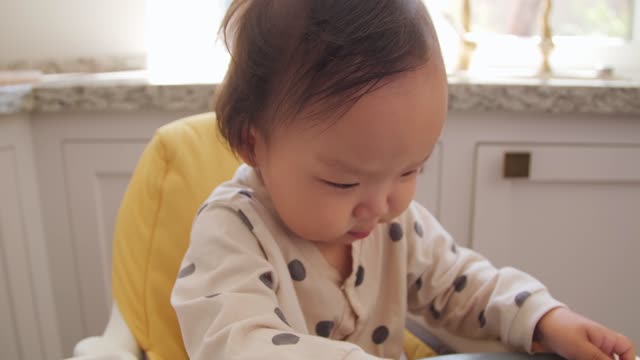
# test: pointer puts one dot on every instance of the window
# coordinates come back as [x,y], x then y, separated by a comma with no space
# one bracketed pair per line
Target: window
[587,33]
[598,18]
[182,47]
[181,38]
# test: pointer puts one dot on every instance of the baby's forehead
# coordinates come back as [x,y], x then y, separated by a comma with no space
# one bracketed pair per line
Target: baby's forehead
[392,128]
[412,94]
[352,145]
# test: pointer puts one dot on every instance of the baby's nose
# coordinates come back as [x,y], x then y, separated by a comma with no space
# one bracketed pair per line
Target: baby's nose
[373,208]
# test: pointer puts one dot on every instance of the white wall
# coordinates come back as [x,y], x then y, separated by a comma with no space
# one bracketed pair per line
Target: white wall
[43,29]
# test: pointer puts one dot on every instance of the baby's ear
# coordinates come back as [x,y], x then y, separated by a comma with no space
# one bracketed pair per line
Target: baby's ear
[248,149]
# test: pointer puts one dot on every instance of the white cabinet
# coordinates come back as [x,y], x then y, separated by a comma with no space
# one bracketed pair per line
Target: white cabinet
[85,161]
[15,290]
[97,174]
[27,315]
[573,221]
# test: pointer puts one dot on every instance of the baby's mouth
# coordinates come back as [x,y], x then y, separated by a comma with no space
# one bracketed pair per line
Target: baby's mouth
[359,234]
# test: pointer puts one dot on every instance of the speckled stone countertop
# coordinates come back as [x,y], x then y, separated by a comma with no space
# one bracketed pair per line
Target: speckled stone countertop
[132,90]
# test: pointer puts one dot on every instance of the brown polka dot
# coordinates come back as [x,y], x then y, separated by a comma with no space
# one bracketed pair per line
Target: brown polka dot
[418,228]
[460,283]
[359,276]
[212,296]
[297,270]
[245,220]
[323,328]
[454,248]
[434,312]
[267,279]
[285,339]
[522,297]
[279,313]
[395,232]
[187,270]
[481,319]
[380,334]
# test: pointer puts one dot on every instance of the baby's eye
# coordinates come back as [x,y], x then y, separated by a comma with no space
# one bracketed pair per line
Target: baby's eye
[412,172]
[340,186]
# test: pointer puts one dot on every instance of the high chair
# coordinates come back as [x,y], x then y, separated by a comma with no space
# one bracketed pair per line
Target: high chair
[182,164]
[179,168]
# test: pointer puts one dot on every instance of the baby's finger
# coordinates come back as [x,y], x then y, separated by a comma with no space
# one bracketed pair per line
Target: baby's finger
[607,344]
[590,352]
[624,348]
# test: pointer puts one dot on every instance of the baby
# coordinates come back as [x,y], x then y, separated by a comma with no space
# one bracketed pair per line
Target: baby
[315,249]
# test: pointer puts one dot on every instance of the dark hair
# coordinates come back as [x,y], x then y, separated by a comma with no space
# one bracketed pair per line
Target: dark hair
[289,54]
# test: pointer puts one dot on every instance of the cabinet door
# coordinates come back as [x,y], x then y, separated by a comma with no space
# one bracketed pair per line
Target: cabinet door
[97,175]
[84,162]
[573,222]
[19,335]
[28,325]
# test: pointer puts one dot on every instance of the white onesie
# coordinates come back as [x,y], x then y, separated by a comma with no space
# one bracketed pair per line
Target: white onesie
[249,288]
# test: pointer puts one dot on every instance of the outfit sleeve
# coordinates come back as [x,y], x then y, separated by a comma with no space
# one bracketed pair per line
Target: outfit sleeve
[225,299]
[456,288]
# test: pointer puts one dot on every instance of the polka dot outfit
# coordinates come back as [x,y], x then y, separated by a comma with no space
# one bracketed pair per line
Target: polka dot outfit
[248,288]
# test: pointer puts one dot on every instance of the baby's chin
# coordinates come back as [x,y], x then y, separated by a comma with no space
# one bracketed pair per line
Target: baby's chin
[320,236]
[344,239]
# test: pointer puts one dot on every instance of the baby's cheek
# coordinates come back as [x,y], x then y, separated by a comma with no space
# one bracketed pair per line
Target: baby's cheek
[401,199]
[335,207]
[333,216]
[313,217]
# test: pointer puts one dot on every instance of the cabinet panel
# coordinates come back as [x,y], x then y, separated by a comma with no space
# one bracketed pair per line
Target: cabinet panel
[84,161]
[97,174]
[20,337]
[572,222]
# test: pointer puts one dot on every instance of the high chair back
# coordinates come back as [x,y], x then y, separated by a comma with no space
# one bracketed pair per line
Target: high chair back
[182,164]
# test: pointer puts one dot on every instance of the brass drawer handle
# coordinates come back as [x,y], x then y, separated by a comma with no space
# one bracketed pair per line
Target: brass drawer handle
[517,165]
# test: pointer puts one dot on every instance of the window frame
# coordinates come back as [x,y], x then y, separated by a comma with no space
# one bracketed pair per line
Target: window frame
[581,56]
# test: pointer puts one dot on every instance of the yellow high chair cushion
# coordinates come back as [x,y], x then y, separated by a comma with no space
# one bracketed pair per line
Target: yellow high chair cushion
[414,348]
[182,164]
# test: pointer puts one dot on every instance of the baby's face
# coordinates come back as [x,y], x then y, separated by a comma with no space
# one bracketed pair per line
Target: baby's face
[335,185]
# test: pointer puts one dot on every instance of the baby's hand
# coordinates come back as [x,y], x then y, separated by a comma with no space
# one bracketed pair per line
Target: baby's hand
[577,338]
